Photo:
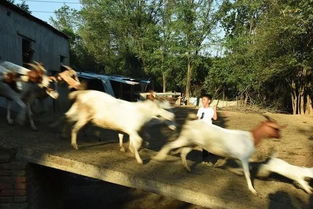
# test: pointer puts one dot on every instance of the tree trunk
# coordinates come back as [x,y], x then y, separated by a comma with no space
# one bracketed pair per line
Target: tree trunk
[188,79]
[164,82]
[246,95]
[309,108]
[294,98]
[302,107]
[294,102]
[301,100]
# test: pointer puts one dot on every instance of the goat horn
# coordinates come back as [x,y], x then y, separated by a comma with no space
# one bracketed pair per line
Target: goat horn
[67,67]
[40,66]
[267,117]
[32,65]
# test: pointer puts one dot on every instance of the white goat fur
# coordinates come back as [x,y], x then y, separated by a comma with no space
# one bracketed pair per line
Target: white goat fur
[105,111]
[297,173]
[28,90]
[227,143]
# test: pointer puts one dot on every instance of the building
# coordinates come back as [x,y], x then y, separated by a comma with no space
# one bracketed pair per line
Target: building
[24,38]
[121,87]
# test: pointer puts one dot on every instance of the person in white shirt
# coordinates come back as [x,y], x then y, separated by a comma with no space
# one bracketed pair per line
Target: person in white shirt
[207,113]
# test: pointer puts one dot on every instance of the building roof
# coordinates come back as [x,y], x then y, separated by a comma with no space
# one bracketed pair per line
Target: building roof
[31,17]
[117,78]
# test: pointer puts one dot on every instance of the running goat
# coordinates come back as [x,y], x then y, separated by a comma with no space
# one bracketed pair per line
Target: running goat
[236,144]
[105,111]
[300,175]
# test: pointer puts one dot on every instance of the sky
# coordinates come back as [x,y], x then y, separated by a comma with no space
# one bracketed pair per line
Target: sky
[44,9]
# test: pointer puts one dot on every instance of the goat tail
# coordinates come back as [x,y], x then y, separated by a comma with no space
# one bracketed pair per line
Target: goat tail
[73,95]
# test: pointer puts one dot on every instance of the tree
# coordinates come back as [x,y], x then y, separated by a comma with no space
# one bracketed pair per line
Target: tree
[195,20]
[69,21]
[289,53]
[269,50]
[120,34]
[21,5]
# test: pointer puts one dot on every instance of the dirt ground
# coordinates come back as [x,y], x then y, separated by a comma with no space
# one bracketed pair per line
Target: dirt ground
[295,146]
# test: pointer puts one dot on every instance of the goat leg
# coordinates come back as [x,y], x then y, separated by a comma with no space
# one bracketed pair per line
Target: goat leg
[220,163]
[9,118]
[78,125]
[30,118]
[305,185]
[120,137]
[183,154]
[180,142]
[21,115]
[135,142]
[246,171]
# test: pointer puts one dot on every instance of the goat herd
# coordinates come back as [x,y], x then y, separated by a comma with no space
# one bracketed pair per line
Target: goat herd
[22,86]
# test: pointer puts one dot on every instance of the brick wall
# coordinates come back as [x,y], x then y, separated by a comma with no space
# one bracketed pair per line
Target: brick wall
[28,186]
[13,186]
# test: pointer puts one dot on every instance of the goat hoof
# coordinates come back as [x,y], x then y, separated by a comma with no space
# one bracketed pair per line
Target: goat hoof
[253,191]
[122,149]
[139,161]
[172,127]
[75,146]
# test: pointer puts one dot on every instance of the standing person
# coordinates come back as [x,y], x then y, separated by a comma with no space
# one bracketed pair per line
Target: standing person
[206,113]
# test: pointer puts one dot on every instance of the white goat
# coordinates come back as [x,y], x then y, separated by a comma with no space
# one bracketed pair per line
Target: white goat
[165,104]
[7,92]
[301,175]
[227,143]
[105,111]
[31,91]
[13,77]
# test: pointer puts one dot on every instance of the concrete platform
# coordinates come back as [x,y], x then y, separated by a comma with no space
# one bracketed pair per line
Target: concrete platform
[204,186]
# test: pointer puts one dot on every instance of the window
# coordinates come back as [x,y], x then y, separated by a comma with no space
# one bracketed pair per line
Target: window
[62,59]
[27,51]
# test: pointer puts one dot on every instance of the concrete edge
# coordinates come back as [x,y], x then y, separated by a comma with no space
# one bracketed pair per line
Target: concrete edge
[123,179]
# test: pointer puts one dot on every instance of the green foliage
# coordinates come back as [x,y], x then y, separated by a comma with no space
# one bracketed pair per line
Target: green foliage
[267,45]
[268,51]
[69,21]
[147,38]
[21,5]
